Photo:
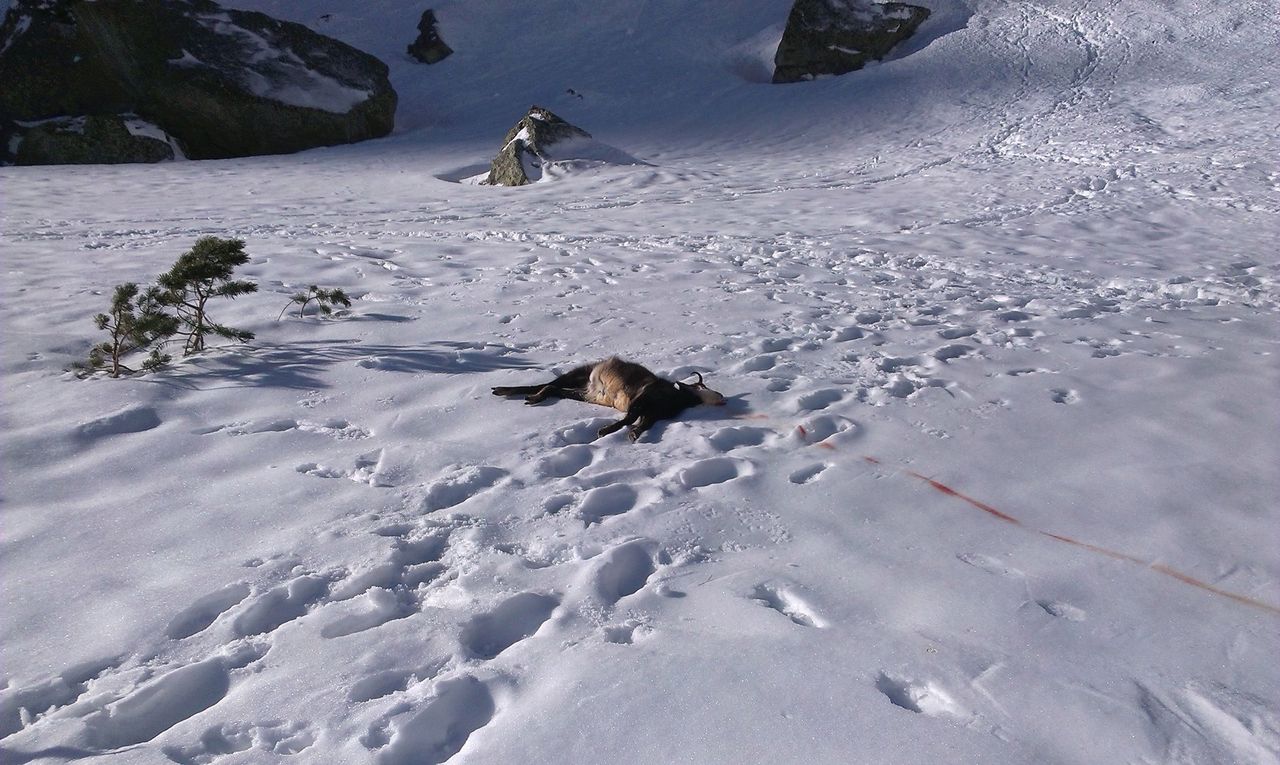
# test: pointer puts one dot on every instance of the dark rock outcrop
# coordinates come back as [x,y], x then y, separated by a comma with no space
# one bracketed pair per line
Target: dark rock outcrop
[94,140]
[224,83]
[429,48]
[529,145]
[839,36]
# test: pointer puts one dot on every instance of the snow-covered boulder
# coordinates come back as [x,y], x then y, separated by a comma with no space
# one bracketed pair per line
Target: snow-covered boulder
[106,139]
[839,36]
[224,83]
[429,47]
[541,146]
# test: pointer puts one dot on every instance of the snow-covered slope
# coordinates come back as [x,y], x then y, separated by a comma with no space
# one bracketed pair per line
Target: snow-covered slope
[997,481]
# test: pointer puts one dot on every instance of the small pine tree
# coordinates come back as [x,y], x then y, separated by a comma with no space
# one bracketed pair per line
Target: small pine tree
[202,273]
[134,323]
[325,299]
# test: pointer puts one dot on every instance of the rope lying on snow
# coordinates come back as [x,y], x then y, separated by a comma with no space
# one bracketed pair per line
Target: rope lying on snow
[1159,568]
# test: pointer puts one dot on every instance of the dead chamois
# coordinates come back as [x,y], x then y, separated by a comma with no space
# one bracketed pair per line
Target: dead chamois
[630,388]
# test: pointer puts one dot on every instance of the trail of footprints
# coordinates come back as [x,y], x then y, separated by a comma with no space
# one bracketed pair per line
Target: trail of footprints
[952,324]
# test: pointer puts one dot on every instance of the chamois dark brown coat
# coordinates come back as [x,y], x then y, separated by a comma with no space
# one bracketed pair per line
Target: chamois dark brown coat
[644,397]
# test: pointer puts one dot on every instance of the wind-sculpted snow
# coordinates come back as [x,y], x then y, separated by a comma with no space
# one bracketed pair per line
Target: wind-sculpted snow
[996,321]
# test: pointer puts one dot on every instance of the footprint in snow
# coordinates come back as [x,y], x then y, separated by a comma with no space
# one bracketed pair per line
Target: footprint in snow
[367,468]
[606,501]
[990,565]
[164,702]
[955,333]
[277,737]
[380,606]
[713,471]
[1064,396]
[52,694]
[387,682]
[623,570]
[954,351]
[460,486]
[625,633]
[919,696]
[565,462]
[199,615]
[579,433]
[132,420]
[460,707]
[1063,610]
[280,605]
[807,474]
[787,603]
[760,363]
[516,618]
[728,439]
[818,399]
[411,562]
[831,429]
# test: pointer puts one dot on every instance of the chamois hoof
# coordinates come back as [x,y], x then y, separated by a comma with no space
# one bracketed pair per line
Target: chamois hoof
[633,436]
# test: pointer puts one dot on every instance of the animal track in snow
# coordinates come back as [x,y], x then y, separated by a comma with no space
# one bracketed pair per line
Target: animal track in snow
[807,473]
[366,469]
[565,462]
[1212,723]
[132,420]
[199,615]
[955,333]
[728,439]
[280,605]
[412,562]
[788,604]
[606,501]
[1064,396]
[159,705]
[274,737]
[712,471]
[758,363]
[1062,610]
[51,694]
[579,433]
[990,565]
[461,706]
[818,399]
[829,428]
[623,571]
[625,633]
[953,351]
[514,619]
[335,428]
[462,485]
[383,606]
[390,681]
[918,696]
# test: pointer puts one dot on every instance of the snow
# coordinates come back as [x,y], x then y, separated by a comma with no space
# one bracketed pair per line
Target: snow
[996,481]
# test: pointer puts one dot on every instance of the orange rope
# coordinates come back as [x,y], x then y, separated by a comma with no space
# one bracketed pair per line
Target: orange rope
[1159,568]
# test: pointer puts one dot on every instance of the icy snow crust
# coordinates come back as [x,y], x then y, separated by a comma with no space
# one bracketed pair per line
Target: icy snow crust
[1027,272]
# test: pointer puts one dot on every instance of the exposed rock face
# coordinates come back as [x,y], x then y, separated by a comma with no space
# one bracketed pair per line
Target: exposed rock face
[95,140]
[224,83]
[839,36]
[529,145]
[429,48]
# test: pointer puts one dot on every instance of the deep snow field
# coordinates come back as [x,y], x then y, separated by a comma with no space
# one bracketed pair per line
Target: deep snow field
[997,481]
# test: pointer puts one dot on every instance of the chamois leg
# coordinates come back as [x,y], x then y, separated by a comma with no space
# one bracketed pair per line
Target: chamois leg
[542,394]
[614,427]
[517,390]
[642,424]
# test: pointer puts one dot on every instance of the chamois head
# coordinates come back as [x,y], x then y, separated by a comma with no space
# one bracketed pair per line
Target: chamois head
[700,388]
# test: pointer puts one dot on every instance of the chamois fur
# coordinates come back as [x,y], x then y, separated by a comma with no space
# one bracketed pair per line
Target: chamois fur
[644,397]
